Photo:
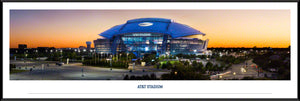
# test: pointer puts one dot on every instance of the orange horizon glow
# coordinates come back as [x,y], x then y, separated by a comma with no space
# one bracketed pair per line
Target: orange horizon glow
[223,28]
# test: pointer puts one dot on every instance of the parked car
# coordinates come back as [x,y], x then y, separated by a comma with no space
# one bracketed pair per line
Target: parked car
[60,63]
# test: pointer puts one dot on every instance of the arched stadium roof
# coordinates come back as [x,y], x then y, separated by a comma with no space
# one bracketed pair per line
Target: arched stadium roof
[151,25]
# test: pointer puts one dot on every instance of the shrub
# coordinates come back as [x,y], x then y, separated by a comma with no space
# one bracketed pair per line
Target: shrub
[126,77]
[12,66]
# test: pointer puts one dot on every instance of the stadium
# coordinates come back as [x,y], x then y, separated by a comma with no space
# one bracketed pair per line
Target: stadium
[158,36]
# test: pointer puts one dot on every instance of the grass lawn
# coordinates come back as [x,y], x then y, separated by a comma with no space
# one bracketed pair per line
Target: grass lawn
[105,67]
[17,71]
[164,62]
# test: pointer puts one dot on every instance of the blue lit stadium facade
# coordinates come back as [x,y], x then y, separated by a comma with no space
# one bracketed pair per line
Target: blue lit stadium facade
[151,35]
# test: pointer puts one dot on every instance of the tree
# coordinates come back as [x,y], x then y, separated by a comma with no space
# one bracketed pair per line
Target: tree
[132,77]
[169,65]
[194,64]
[126,77]
[157,65]
[186,63]
[236,61]
[222,66]
[200,67]
[215,67]
[73,55]
[153,76]
[149,57]
[164,66]
[161,58]
[248,78]
[12,66]
[209,66]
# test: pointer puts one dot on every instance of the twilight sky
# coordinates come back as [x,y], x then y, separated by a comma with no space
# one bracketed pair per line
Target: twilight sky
[223,28]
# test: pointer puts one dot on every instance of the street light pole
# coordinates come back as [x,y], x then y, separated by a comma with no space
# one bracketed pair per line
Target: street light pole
[117,57]
[127,57]
[25,60]
[60,55]
[110,60]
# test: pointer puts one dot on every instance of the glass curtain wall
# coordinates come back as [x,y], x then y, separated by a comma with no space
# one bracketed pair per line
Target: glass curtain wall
[102,46]
[186,46]
[141,43]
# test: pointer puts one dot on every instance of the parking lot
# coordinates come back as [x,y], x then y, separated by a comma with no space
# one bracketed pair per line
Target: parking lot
[238,71]
[46,70]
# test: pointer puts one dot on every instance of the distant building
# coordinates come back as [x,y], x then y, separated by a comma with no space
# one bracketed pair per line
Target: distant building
[22,46]
[45,49]
[88,45]
[82,48]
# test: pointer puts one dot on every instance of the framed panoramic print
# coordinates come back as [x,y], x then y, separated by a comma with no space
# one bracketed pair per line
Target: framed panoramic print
[150,50]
